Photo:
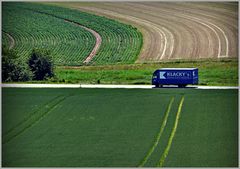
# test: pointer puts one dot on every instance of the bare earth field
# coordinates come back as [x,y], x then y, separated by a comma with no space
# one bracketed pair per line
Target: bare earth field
[179,30]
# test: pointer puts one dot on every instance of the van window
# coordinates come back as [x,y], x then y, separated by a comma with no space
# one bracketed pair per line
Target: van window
[154,76]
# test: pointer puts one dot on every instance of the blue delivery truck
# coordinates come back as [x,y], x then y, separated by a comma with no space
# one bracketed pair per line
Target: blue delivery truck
[175,76]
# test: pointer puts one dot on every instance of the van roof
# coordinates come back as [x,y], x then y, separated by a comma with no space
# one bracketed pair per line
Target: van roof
[177,68]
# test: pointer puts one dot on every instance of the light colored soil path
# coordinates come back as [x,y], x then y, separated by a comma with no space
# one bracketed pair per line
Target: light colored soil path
[176,30]
[97,44]
[96,47]
[11,40]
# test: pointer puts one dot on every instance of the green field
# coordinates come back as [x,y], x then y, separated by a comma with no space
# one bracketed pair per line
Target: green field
[119,127]
[34,25]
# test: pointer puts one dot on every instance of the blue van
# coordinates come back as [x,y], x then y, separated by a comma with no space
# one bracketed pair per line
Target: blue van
[175,76]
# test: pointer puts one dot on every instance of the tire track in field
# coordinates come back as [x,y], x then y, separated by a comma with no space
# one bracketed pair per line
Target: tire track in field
[32,120]
[143,162]
[94,33]
[174,129]
[27,118]
[12,41]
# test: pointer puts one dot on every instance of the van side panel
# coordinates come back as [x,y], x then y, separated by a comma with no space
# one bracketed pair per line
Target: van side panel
[177,77]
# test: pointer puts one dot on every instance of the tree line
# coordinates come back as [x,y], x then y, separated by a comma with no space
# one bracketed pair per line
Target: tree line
[39,66]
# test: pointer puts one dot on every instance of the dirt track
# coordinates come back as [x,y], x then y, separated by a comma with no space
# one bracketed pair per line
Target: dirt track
[11,42]
[179,30]
[97,44]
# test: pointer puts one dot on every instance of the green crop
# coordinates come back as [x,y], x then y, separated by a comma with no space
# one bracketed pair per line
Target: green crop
[119,127]
[35,25]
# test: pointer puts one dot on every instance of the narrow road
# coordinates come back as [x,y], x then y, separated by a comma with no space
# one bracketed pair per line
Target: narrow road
[111,86]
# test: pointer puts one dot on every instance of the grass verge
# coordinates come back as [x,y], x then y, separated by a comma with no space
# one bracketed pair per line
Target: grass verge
[211,72]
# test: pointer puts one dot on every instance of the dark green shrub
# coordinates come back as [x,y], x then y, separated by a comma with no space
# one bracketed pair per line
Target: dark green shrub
[13,69]
[41,65]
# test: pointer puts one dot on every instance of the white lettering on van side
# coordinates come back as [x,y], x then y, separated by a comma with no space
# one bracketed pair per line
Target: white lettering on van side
[177,74]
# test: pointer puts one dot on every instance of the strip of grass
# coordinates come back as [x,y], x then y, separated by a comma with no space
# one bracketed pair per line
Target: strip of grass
[222,73]
[117,128]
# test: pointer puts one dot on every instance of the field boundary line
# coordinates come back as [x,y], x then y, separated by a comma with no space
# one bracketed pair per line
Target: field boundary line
[159,134]
[31,121]
[165,153]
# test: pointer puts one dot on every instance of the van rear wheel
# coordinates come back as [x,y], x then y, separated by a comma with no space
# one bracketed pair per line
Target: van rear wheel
[182,85]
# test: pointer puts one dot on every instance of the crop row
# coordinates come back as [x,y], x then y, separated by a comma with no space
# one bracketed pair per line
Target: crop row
[68,42]
[5,39]
[121,43]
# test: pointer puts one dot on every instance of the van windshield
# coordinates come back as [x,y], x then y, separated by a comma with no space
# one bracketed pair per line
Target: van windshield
[154,76]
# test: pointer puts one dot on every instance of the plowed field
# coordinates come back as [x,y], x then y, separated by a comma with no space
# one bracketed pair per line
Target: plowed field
[179,30]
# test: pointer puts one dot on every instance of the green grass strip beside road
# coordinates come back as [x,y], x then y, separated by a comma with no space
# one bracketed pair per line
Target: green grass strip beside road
[159,134]
[211,73]
[165,153]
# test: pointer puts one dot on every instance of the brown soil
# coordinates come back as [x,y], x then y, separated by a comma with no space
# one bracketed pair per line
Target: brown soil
[12,41]
[97,44]
[176,30]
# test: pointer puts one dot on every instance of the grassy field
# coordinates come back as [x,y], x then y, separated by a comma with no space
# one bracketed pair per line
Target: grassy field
[119,127]
[211,72]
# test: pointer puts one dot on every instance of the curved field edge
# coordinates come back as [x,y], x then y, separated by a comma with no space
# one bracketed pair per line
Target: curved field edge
[121,43]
